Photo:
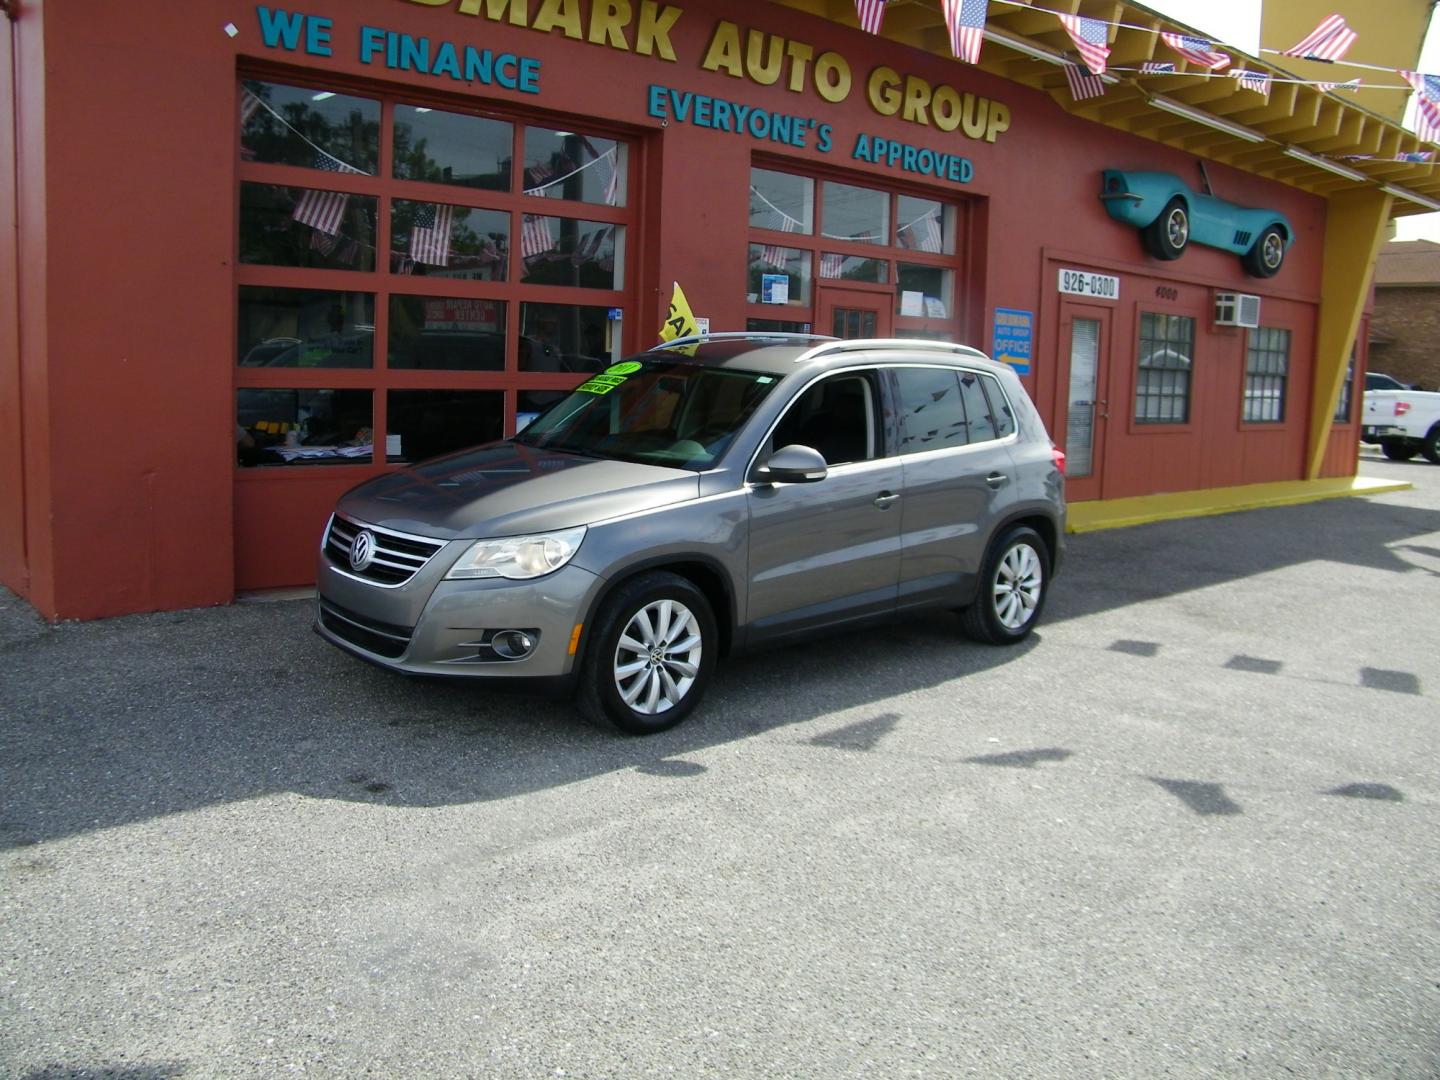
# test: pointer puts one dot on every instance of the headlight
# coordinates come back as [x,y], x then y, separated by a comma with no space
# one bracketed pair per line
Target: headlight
[518,557]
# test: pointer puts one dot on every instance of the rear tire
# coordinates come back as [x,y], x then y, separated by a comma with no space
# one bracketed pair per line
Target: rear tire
[1013,585]
[1430,447]
[649,656]
[1399,449]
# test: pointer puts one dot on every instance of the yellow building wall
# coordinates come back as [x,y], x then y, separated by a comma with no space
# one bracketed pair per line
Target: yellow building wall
[1391,34]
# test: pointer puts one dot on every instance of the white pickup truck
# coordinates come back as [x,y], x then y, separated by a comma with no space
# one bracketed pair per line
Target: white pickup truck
[1403,422]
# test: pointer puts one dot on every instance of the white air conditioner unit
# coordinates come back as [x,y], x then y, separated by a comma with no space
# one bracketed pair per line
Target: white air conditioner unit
[1236,309]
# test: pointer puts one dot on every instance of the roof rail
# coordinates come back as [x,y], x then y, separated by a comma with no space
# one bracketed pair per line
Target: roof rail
[835,345]
[739,335]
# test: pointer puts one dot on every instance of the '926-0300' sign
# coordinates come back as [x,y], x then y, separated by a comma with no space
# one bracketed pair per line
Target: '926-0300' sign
[1084,283]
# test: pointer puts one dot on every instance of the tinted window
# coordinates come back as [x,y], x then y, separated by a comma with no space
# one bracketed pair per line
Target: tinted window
[932,415]
[835,417]
[304,328]
[283,226]
[311,128]
[445,148]
[982,427]
[1000,414]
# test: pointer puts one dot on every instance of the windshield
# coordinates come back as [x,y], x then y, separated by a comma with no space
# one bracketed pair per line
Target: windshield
[658,412]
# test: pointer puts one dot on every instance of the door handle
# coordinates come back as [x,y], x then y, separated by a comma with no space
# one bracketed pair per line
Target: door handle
[885,498]
[997,480]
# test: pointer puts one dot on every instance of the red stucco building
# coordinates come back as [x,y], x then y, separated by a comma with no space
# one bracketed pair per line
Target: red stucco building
[252,255]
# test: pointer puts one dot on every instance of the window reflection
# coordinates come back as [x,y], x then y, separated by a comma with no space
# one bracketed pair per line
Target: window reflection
[924,291]
[282,226]
[439,240]
[447,333]
[778,275]
[567,165]
[924,225]
[780,201]
[567,251]
[427,423]
[567,337]
[315,129]
[303,427]
[290,328]
[854,213]
[447,148]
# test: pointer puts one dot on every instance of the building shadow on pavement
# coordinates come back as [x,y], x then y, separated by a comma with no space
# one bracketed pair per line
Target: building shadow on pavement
[123,720]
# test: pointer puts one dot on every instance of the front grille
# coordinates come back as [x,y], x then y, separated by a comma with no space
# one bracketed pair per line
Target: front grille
[382,639]
[398,557]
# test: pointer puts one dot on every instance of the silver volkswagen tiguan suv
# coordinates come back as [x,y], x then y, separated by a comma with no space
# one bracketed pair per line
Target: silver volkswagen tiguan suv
[713,494]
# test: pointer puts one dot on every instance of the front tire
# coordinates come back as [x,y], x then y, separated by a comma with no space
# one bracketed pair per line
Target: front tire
[1399,449]
[649,658]
[1013,585]
[1167,236]
[1265,258]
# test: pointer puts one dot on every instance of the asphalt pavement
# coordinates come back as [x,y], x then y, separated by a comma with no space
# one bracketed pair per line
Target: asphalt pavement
[1190,829]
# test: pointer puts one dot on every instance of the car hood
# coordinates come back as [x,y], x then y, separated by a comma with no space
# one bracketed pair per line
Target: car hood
[503,489]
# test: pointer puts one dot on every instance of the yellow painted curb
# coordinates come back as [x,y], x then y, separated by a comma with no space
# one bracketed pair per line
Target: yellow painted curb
[1082,517]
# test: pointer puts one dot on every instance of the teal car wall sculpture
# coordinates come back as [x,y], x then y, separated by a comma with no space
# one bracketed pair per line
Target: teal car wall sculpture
[1170,215]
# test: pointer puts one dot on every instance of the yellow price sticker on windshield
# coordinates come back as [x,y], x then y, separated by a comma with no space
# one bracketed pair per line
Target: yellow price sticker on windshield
[595,386]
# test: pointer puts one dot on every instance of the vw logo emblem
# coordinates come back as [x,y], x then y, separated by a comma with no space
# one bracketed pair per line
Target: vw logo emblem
[362,552]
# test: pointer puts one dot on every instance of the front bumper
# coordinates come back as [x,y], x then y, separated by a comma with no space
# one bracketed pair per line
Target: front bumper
[457,622]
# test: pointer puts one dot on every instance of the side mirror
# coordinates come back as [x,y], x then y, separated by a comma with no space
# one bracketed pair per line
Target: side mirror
[794,464]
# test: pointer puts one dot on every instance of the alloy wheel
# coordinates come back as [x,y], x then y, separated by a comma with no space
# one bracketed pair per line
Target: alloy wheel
[658,657]
[1018,582]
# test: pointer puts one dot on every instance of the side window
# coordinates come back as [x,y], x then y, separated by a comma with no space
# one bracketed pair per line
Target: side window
[982,426]
[932,416]
[1000,413]
[835,416]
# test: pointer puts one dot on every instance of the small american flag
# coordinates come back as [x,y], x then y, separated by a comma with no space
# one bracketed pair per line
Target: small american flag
[535,236]
[831,265]
[1427,104]
[871,13]
[406,265]
[773,253]
[922,234]
[588,249]
[1414,157]
[323,210]
[535,176]
[1326,87]
[966,20]
[1157,67]
[1258,81]
[322,242]
[1082,83]
[430,234]
[249,102]
[1197,51]
[1328,41]
[1092,39]
[612,179]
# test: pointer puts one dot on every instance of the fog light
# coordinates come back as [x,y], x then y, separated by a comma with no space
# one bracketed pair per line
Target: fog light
[513,644]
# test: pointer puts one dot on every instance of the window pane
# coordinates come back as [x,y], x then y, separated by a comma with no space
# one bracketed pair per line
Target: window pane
[567,337]
[982,426]
[1000,414]
[282,226]
[427,423]
[531,403]
[1162,383]
[925,225]
[438,240]
[447,148]
[855,213]
[303,427]
[566,165]
[566,251]
[854,268]
[437,333]
[787,271]
[932,416]
[929,289]
[315,129]
[290,328]
[781,201]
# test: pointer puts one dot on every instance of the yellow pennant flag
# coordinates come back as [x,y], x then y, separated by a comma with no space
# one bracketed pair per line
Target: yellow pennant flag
[679,322]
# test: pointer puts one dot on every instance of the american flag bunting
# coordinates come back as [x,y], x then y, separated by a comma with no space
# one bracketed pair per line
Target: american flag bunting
[1197,51]
[324,210]
[1328,41]
[1427,104]
[1091,37]
[774,254]
[1082,83]
[1157,67]
[871,13]
[1257,81]
[430,234]
[831,266]
[966,21]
